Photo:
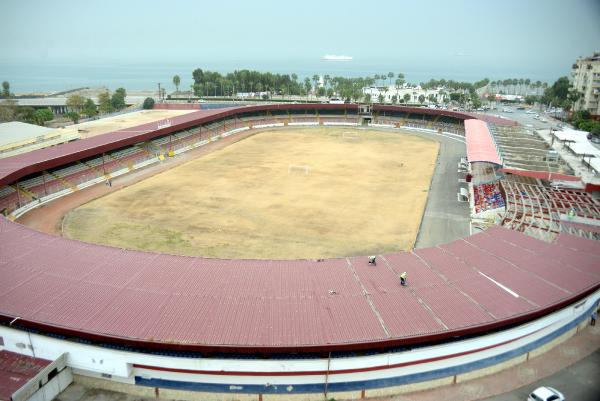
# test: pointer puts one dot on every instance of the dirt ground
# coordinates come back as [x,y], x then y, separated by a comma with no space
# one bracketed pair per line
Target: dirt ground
[104,125]
[305,193]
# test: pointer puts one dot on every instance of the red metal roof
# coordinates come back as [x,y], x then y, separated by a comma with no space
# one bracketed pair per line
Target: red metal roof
[480,143]
[16,370]
[12,168]
[174,301]
[492,119]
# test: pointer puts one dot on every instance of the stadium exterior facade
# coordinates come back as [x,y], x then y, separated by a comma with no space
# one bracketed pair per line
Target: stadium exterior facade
[149,324]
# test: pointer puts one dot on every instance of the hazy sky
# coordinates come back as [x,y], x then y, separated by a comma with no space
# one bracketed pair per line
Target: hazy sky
[514,36]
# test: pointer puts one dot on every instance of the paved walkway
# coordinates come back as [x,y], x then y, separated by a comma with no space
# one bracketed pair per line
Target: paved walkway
[571,351]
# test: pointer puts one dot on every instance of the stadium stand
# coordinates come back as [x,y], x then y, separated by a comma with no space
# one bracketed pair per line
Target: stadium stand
[543,212]
[161,312]
[524,149]
[487,197]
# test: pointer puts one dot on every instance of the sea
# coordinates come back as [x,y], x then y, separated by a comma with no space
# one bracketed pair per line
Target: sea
[48,77]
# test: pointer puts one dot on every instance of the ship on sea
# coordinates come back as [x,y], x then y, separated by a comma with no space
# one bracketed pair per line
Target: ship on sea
[333,57]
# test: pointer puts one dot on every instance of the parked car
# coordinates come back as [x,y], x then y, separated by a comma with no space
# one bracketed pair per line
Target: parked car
[546,394]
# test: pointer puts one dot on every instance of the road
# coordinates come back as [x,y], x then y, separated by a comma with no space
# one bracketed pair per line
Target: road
[578,382]
[445,218]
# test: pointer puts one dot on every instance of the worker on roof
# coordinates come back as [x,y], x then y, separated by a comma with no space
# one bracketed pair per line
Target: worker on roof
[403,278]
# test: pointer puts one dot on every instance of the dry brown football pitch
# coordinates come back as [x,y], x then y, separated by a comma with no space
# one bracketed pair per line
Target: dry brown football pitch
[287,194]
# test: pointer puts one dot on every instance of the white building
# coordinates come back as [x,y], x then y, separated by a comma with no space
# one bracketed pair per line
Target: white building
[414,93]
[586,79]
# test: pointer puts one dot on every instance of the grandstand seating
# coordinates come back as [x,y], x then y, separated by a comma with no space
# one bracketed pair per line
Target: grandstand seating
[525,150]
[537,210]
[487,197]
[441,124]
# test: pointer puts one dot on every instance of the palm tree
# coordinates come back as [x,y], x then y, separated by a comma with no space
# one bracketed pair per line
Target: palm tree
[521,81]
[528,84]
[176,82]
[390,76]
[326,79]
[315,79]
[376,78]
[400,77]
[307,86]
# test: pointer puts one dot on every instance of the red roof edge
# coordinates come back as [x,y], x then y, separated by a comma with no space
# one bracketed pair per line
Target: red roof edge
[544,175]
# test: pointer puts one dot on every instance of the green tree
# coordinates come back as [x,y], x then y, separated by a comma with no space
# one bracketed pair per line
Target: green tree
[531,99]
[380,98]
[148,103]
[117,100]
[406,97]
[89,108]
[421,99]
[307,86]
[104,103]
[558,93]
[43,115]
[5,90]
[73,116]
[368,98]
[390,75]
[75,102]
[394,99]
[8,110]
[176,82]
[25,114]
[315,79]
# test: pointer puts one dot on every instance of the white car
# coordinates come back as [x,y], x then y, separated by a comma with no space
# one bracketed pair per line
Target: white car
[546,394]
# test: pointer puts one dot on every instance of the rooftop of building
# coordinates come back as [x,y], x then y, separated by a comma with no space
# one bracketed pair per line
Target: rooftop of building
[16,370]
[16,131]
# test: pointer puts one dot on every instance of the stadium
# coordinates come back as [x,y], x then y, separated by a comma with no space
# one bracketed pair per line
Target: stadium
[252,323]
